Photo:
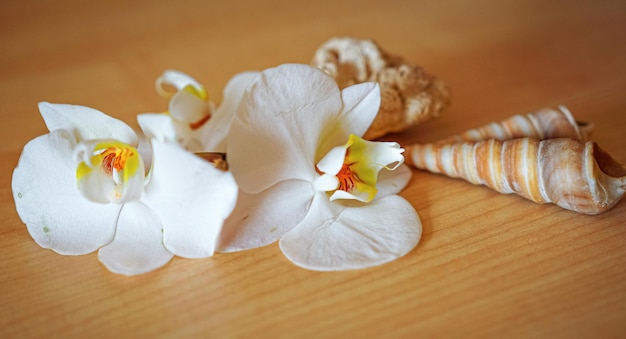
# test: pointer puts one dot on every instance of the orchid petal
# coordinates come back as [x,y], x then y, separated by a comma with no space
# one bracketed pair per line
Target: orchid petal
[48,201]
[392,182]
[188,107]
[261,219]
[333,160]
[85,123]
[165,129]
[360,106]
[333,237]
[158,126]
[364,196]
[192,198]
[361,103]
[326,182]
[137,247]
[275,134]
[178,80]
[145,151]
[213,134]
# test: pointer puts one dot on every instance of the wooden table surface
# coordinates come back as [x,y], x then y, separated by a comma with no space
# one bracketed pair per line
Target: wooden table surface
[488,265]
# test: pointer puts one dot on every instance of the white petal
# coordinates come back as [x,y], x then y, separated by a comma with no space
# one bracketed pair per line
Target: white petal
[261,219]
[213,134]
[332,162]
[360,106]
[137,247]
[85,123]
[392,182]
[279,121]
[191,197]
[178,80]
[326,182]
[157,126]
[49,203]
[187,107]
[386,154]
[163,128]
[145,151]
[333,237]
[356,194]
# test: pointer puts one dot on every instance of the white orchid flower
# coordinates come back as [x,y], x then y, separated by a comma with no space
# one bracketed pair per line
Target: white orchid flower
[189,109]
[82,187]
[192,121]
[306,178]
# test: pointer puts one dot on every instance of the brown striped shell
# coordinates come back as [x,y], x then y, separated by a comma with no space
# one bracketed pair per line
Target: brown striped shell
[546,123]
[571,174]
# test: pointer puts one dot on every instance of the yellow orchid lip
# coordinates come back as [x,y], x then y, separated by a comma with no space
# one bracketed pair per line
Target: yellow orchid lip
[199,92]
[357,174]
[110,172]
[112,157]
[361,175]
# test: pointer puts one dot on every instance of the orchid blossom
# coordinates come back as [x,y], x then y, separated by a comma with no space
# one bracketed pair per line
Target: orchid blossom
[307,179]
[189,109]
[83,187]
[191,120]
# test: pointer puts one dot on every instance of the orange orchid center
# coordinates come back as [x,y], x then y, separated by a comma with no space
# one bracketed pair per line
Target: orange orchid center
[348,178]
[114,158]
[111,171]
[195,125]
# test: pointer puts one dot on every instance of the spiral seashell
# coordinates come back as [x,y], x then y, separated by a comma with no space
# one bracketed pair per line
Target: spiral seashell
[547,123]
[573,175]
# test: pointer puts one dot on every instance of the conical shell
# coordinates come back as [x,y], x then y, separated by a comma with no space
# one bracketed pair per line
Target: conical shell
[409,95]
[576,176]
[546,123]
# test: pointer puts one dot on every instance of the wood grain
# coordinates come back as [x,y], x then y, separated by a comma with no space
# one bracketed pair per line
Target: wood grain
[489,265]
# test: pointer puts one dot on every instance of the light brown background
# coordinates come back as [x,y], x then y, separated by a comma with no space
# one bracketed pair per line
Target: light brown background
[489,265]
